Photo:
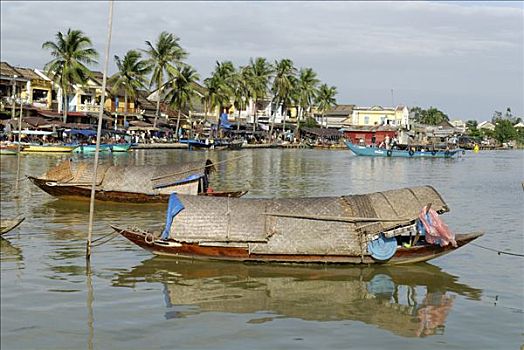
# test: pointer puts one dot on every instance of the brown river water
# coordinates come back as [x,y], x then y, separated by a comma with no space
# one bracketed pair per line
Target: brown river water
[127,299]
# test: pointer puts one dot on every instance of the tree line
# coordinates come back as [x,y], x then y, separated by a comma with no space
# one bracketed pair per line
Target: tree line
[161,67]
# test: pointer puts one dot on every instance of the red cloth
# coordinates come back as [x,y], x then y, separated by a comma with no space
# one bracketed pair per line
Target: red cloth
[437,232]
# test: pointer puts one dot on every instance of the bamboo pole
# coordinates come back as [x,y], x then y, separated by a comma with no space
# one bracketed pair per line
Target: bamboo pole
[99,131]
[19,148]
[195,169]
[338,218]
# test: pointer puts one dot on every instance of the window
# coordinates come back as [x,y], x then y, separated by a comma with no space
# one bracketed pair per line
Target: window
[366,120]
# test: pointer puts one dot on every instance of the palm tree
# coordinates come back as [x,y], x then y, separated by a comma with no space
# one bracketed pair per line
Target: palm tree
[71,52]
[164,57]
[283,85]
[306,91]
[219,86]
[240,93]
[130,77]
[258,74]
[182,91]
[326,99]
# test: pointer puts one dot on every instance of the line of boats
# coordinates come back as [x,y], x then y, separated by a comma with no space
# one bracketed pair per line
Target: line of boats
[12,149]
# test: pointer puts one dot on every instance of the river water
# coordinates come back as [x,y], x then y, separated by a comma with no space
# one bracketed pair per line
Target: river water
[472,298]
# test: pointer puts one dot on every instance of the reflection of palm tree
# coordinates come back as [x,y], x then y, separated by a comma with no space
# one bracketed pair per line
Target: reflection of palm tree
[130,76]
[164,57]
[182,91]
[71,53]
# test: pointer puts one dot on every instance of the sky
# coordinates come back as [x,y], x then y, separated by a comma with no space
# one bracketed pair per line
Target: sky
[464,58]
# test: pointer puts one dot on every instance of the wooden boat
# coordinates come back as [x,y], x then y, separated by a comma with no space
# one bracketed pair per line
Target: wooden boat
[119,147]
[9,150]
[198,144]
[7,225]
[381,296]
[360,150]
[47,149]
[235,145]
[133,184]
[91,149]
[344,230]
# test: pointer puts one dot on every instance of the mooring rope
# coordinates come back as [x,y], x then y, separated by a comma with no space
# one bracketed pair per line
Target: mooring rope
[497,251]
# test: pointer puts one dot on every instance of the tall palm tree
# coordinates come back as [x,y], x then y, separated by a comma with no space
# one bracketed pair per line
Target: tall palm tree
[240,93]
[164,57]
[258,74]
[219,86]
[182,91]
[70,52]
[325,99]
[283,85]
[130,77]
[306,91]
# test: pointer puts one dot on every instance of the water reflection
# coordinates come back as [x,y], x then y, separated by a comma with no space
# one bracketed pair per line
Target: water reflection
[9,252]
[411,301]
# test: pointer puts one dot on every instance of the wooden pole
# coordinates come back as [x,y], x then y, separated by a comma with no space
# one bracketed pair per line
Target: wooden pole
[99,131]
[19,149]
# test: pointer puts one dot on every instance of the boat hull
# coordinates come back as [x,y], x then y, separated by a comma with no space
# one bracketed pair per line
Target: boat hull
[84,193]
[47,149]
[91,149]
[173,248]
[381,152]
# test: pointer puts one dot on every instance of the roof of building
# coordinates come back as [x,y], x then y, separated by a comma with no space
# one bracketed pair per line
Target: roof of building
[8,72]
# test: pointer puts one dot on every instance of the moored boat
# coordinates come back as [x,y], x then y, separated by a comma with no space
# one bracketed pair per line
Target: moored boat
[10,149]
[119,147]
[356,229]
[132,183]
[361,150]
[47,148]
[91,148]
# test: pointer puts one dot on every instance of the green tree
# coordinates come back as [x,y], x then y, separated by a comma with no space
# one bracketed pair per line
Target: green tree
[165,58]
[325,100]
[182,91]
[471,127]
[305,92]
[283,82]
[240,93]
[131,76]
[258,75]
[432,116]
[70,52]
[219,86]
[504,131]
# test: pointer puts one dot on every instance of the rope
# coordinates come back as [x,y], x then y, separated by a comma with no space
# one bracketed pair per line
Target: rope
[104,236]
[337,218]
[497,251]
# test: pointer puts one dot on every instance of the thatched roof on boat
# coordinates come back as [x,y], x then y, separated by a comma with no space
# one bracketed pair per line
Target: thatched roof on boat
[325,225]
[148,179]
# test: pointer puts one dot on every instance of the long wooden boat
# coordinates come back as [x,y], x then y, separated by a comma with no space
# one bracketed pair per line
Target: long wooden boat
[344,230]
[7,225]
[133,184]
[47,149]
[360,150]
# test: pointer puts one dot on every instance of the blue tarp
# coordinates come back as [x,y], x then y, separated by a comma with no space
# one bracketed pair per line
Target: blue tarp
[82,132]
[174,207]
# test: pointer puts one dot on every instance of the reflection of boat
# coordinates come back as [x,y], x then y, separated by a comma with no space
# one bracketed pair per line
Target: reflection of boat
[47,149]
[409,301]
[10,252]
[9,149]
[360,150]
[355,229]
[135,184]
[7,225]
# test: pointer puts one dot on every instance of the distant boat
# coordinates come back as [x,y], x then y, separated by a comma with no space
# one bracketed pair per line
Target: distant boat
[119,147]
[47,148]
[198,144]
[405,153]
[7,225]
[235,145]
[91,148]
[10,149]
[353,229]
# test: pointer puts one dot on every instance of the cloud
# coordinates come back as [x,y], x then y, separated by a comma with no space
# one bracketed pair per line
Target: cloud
[428,52]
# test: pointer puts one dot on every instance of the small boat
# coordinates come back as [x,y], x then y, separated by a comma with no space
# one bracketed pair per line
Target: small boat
[235,145]
[119,147]
[91,148]
[198,144]
[7,225]
[361,150]
[47,148]
[11,150]
[380,228]
[131,183]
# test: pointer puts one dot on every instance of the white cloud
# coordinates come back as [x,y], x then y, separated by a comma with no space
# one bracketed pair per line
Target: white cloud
[428,52]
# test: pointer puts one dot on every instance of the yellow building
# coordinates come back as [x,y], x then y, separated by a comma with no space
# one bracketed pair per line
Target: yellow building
[377,115]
